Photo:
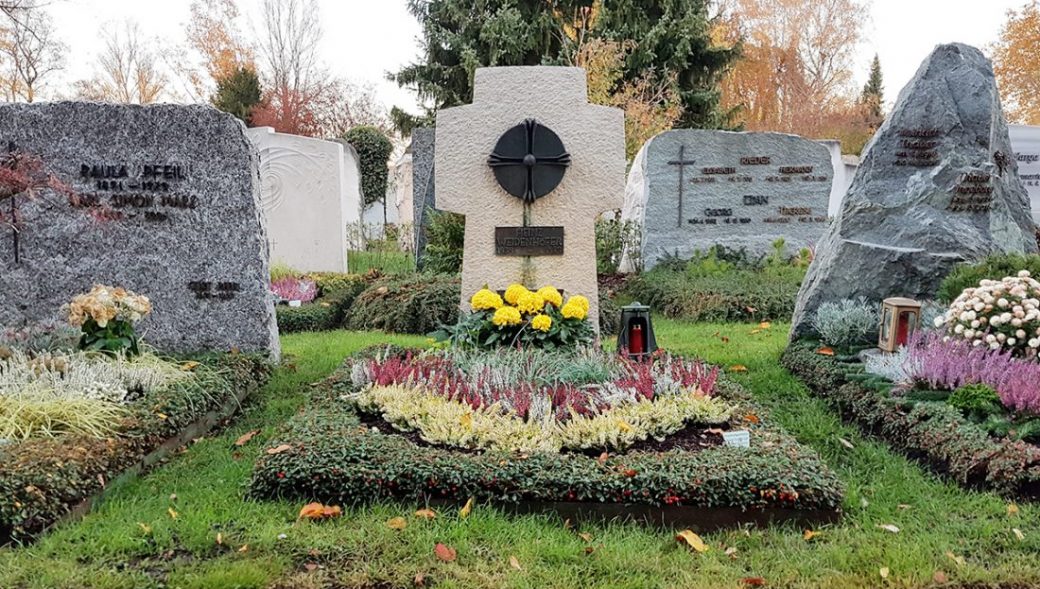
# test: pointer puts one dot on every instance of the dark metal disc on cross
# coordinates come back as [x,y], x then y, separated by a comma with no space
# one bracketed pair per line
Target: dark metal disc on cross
[529,160]
[682,163]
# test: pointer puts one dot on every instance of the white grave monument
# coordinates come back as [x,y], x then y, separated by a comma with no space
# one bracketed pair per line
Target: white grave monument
[531,164]
[309,196]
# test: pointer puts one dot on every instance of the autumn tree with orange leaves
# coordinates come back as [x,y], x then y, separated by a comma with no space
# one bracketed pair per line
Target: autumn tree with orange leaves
[1016,62]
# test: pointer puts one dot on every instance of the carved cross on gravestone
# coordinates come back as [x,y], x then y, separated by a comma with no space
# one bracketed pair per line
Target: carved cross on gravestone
[575,172]
[682,163]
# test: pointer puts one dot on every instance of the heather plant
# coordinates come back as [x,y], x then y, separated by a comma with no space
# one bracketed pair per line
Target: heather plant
[291,288]
[846,323]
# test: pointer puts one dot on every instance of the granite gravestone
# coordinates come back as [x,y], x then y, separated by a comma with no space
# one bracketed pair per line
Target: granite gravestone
[306,199]
[424,198]
[1025,140]
[168,206]
[530,160]
[691,189]
[938,185]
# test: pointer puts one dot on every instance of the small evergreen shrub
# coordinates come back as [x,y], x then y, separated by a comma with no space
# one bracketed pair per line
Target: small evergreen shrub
[330,282]
[846,323]
[992,268]
[445,236]
[975,400]
[416,304]
[306,317]
[373,149]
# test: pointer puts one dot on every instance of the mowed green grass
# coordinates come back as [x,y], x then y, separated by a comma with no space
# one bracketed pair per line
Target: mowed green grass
[959,537]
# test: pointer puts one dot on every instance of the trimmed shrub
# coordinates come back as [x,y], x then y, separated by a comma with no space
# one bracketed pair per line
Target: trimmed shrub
[847,323]
[329,282]
[416,304]
[373,149]
[445,235]
[307,317]
[992,268]
[737,295]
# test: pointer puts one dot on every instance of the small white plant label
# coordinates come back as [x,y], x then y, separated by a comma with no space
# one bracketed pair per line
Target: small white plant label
[739,439]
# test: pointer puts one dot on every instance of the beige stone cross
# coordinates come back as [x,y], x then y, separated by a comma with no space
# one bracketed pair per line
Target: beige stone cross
[594,136]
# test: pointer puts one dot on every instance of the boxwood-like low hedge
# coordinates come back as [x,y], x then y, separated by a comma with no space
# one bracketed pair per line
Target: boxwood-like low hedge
[933,433]
[334,458]
[43,480]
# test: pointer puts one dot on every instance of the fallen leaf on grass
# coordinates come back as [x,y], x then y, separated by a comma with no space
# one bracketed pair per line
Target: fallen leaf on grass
[939,577]
[426,514]
[244,438]
[315,511]
[889,528]
[753,581]
[189,366]
[1012,509]
[737,368]
[445,553]
[825,351]
[883,572]
[732,552]
[513,562]
[311,567]
[1018,534]
[145,528]
[589,550]
[846,443]
[957,559]
[808,535]
[755,332]
[419,580]
[466,509]
[629,472]
[397,523]
[220,539]
[692,540]
[173,514]
[244,548]
[765,325]
[585,536]
[752,418]
[903,506]
[279,449]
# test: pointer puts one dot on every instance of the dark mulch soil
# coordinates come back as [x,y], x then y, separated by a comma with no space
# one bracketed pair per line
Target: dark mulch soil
[693,438]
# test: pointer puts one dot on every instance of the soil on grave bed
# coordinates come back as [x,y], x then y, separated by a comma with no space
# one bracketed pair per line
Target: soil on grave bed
[693,438]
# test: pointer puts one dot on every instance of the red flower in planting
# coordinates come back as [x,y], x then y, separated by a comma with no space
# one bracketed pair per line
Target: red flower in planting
[280,475]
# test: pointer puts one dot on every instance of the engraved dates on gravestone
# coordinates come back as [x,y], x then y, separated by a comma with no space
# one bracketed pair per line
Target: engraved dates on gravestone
[528,241]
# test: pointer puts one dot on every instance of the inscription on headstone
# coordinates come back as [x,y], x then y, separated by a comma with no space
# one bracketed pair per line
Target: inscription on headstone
[1025,141]
[528,241]
[740,190]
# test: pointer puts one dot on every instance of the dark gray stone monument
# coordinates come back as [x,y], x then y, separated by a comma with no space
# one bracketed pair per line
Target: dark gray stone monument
[168,207]
[424,199]
[938,185]
[691,189]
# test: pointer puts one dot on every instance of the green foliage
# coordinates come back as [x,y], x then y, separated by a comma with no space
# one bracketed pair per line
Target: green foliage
[336,294]
[975,400]
[238,94]
[873,93]
[415,304]
[445,237]
[334,282]
[116,337]
[316,316]
[614,237]
[479,330]
[609,315]
[373,149]
[384,261]
[281,270]
[847,323]
[992,268]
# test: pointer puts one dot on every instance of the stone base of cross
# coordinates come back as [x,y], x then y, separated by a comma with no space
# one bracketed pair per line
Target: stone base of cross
[594,136]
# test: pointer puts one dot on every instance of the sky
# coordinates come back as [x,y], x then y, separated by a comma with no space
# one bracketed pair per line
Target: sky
[363,39]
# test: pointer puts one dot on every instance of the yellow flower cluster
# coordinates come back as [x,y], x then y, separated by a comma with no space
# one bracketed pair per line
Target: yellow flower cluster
[577,307]
[530,303]
[513,293]
[541,322]
[106,303]
[551,295]
[506,316]
[485,300]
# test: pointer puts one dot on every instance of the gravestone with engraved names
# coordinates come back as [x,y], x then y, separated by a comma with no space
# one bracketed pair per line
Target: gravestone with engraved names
[690,189]
[167,205]
[531,164]
[1025,141]
[938,186]
[424,196]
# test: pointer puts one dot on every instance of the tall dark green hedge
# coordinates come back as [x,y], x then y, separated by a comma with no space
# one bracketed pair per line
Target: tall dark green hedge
[373,149]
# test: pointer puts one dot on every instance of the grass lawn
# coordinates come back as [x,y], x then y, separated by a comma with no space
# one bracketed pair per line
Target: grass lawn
[133,539]
[386,261]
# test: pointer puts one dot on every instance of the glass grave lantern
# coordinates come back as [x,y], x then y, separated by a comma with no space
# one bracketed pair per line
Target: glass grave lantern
[900,317]
[636,339]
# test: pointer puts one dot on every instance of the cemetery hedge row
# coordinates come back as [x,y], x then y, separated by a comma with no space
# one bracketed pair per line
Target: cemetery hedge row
[935,434]
[42,479]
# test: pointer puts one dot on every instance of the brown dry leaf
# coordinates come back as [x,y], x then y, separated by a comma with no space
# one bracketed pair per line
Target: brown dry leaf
[692,540]
[397,523]
[189,366]
[466,509]
[903,506]
[145,527]
[939,577]
[629,472]
[808,535]
[957,559]
[585,536]
[1018,534]
[279,449]
[737,368]
[426,514]
[889,528]
[1012,509]
[244,548]
[312,511]
[732,552]
[173,514]
[589,550]
[753,581]
[419,580]
[445,553]
[755,332]
[765,325]
[244,438]
[331,511]
[825,351]
[846,443]
[311,567]
[220,539]
[752,418]
[513,562]
[603,458]
[883,572]
[725,339]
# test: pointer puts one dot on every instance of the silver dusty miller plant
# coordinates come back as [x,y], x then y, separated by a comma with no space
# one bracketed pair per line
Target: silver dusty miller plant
[847,322]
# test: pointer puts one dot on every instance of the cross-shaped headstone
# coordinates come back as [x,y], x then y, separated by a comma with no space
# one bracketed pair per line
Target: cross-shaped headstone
[682,163]
[592,140]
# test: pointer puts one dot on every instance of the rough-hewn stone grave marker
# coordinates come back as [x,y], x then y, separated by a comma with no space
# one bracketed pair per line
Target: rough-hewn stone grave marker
[938,186]
[179,189]
[531,164]
[691,189]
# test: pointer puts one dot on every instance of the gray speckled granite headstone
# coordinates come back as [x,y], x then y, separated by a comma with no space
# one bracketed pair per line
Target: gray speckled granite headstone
[424,199]
[938,185]
[739,190]
[181,186]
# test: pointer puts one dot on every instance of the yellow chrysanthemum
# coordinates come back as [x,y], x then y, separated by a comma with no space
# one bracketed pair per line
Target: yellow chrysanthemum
[573,310]
[530,303]
[485,300]
[551,295]
[541,322]
[580,301]
[506,316]
[513,293]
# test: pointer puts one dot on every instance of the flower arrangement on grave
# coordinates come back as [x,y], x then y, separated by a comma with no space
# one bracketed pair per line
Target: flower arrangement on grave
[291,288]
[997,314]
[106,316]
[521,317]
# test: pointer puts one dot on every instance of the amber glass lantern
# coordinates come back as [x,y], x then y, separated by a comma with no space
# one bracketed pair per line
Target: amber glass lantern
[899,319]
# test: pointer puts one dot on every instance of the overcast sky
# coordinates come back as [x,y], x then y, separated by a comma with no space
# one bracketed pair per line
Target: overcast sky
[365,38]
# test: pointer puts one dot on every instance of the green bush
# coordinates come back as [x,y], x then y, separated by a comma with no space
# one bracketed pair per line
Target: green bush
[609,315]
[416,304]
[329,282]
[373,149]
[337,292]
[445,235]
[975,400]
[993,268]
[736,295]
[317,316]
[385,261]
